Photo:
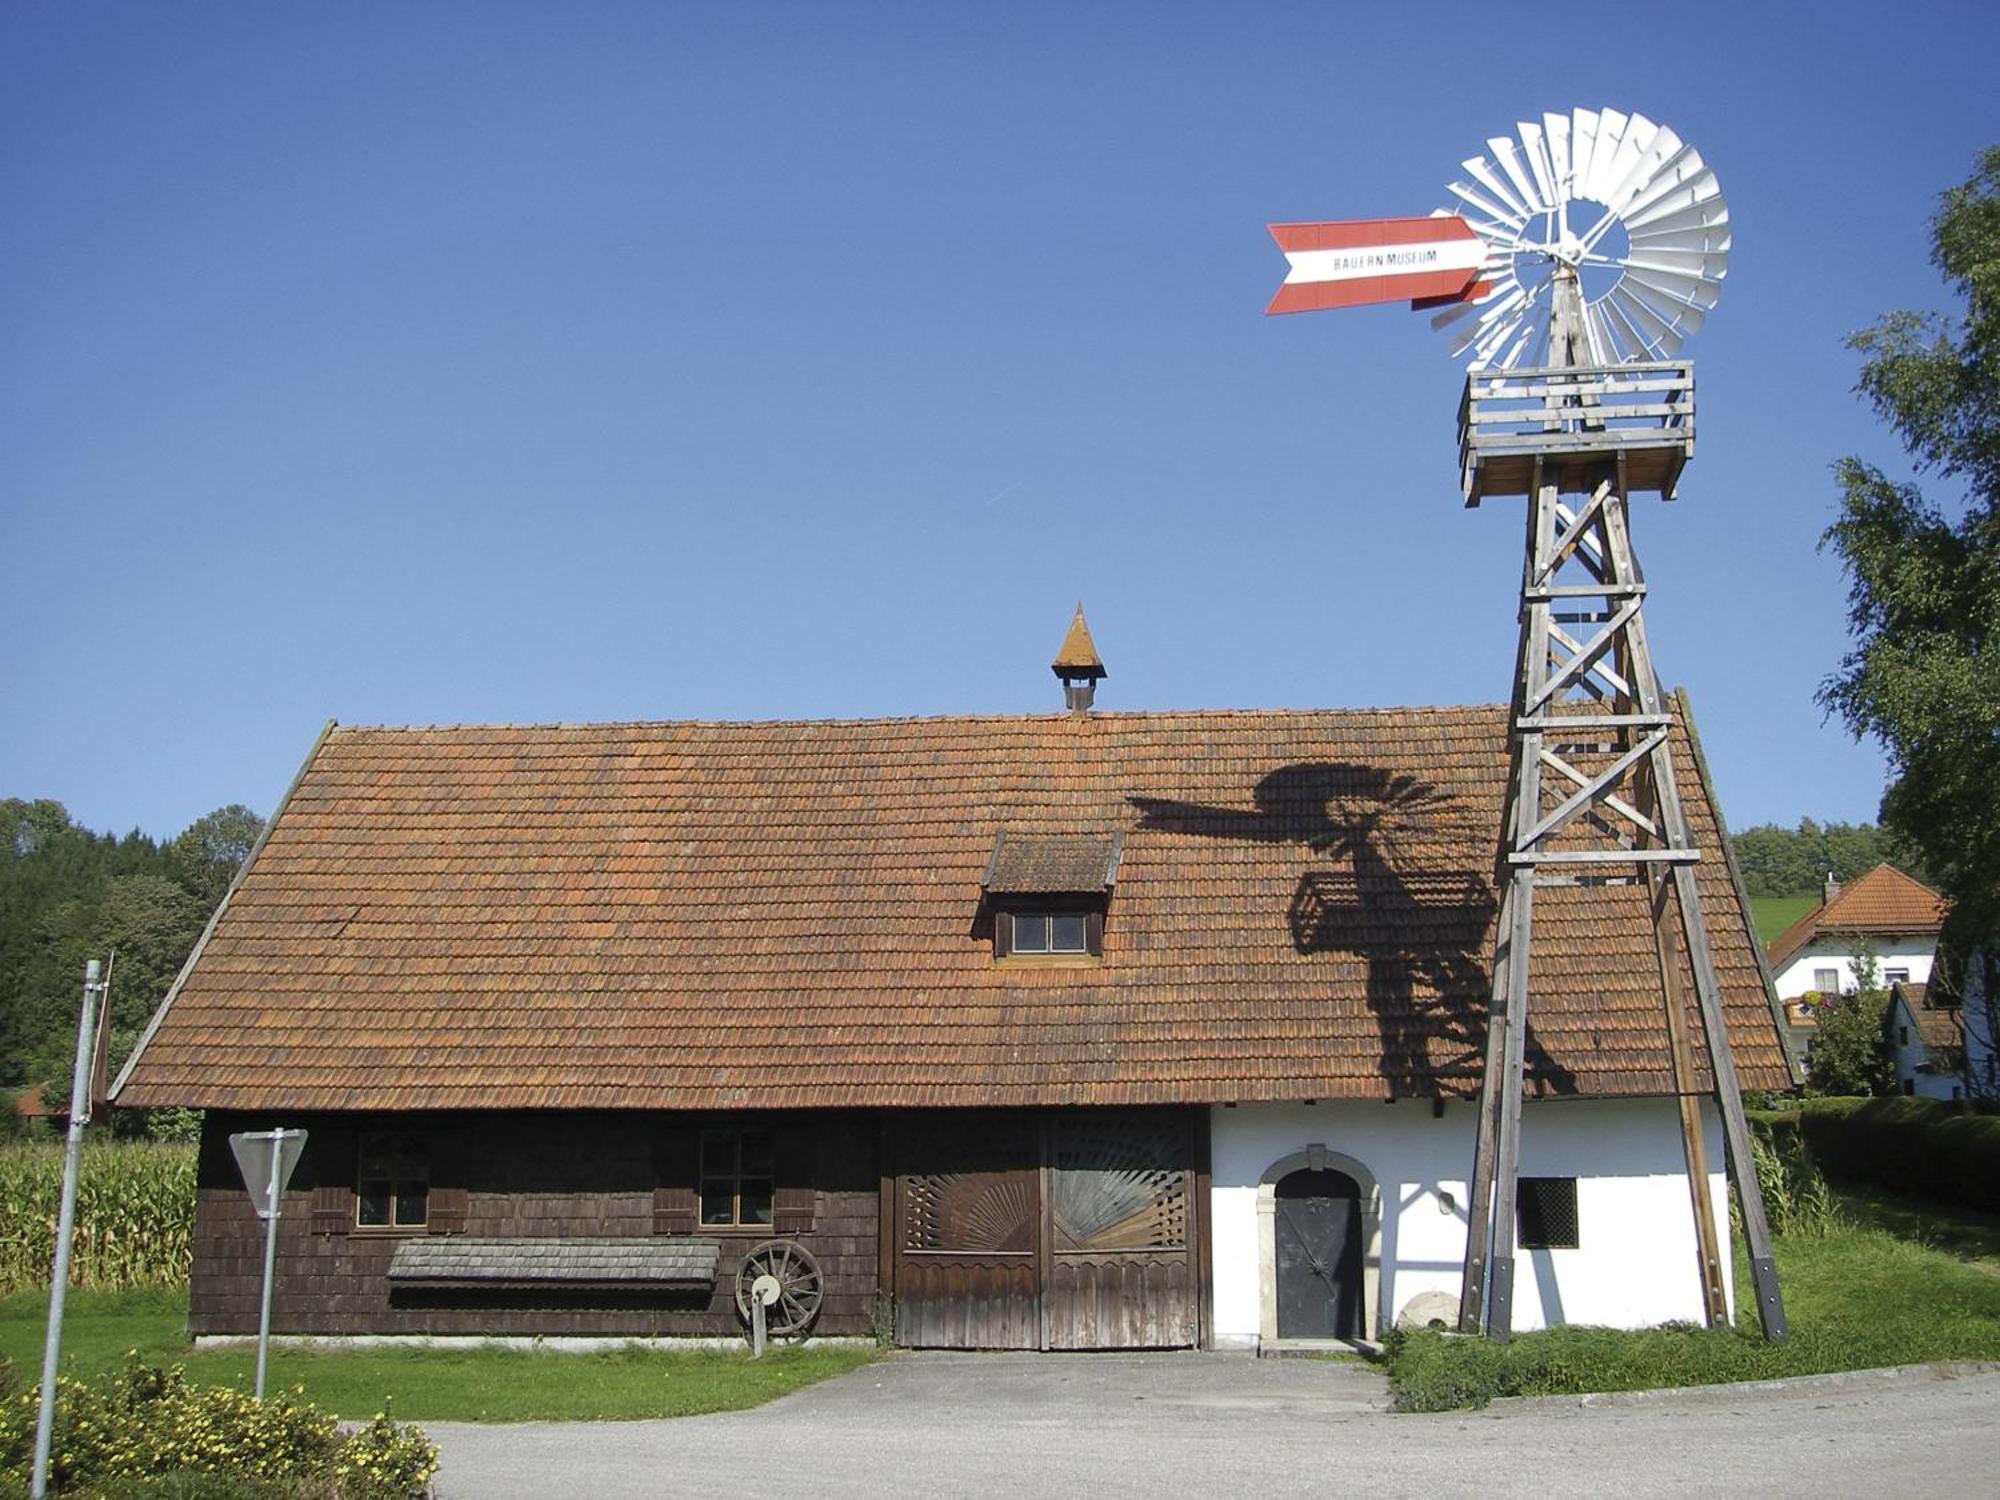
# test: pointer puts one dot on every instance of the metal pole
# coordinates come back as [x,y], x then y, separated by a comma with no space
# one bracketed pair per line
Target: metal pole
[270,1257]
[79,1117]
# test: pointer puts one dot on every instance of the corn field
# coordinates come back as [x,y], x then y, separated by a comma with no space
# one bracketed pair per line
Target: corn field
[134,1214]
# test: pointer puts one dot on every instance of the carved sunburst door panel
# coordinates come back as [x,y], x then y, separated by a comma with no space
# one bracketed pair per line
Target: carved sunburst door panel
[966,1211]
[1119,1182]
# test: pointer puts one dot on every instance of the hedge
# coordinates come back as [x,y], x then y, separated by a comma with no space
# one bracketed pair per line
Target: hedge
[1927,1146]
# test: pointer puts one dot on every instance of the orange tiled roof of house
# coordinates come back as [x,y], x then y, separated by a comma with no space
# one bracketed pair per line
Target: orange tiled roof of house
[725,916]
[1885,900]
[1937,1025]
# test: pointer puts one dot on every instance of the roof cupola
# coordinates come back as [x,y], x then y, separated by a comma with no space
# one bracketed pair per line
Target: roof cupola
[1078,666]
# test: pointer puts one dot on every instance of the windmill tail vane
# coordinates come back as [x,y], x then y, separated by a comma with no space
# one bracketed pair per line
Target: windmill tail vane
[1618,206]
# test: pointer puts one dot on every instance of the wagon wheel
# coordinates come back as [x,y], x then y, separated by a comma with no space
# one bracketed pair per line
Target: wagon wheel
[799,1287]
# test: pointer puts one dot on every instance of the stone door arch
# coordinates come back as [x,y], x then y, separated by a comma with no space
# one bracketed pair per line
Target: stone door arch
[1318,1158]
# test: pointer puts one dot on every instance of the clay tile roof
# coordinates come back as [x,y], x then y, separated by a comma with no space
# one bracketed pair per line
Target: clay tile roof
[1078,656]
[779,915]
[1052,863]
[1937,1025]
[1885,900]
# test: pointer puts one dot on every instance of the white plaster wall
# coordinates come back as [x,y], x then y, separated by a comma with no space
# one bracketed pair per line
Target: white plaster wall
[1635,1266]
[1913,952]
[1907,1045]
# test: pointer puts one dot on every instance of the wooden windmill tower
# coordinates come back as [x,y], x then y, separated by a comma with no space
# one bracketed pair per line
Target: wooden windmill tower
[1574,402]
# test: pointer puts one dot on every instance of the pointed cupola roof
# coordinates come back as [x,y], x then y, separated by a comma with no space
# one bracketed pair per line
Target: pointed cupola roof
[1078,656]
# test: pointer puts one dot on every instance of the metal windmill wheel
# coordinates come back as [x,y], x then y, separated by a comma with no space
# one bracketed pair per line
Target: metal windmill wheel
[1624,204]
[800,1287]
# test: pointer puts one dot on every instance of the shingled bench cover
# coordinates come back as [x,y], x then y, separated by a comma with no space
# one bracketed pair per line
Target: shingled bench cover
[577,1262]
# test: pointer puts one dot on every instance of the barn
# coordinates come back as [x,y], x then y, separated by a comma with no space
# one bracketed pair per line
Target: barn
[1081,1030]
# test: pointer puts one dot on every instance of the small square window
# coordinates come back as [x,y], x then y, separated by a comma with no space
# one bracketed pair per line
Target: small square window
[1545,1213]
[1031,932]
[736,1178]
[1827,981]
[392,1185]
[1050,932]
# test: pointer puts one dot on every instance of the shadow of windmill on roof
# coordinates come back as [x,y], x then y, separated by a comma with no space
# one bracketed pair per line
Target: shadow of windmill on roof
[1396,881]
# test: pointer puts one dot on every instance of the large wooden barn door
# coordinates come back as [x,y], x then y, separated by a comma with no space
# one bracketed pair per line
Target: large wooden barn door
[1069,1230]
[1121,1271]
[969,1214]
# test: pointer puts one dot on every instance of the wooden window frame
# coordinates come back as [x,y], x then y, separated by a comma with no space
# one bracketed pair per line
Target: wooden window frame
[421,1153]
[735,1177]
[1006,914]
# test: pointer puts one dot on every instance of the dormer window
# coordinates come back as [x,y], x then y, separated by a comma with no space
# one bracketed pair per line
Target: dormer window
[1050,932]
[1047,895]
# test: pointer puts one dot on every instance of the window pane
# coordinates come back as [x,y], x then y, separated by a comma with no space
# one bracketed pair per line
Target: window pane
[718,1153]
[411,1200]
[717,1203]
[1066,934]
[371,1203]
[1031,934]
[756,1201]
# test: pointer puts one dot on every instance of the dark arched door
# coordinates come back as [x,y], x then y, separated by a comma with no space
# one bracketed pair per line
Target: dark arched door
[1319,1256]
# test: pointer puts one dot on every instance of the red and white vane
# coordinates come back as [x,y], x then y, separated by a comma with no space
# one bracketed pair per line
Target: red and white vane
[1427,261]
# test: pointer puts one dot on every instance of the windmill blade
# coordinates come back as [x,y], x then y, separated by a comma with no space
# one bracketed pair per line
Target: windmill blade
[1487,207]
[1630,339]
[1610,141]
[1630,166]
[1675,312]
[1682,170]
[1602,344]
[1686,291]
[1536,150]
[1582,145]
[1480,168]
[1661,200]
[1704,216]
[1556,136]
[1658,333]
[1517,173]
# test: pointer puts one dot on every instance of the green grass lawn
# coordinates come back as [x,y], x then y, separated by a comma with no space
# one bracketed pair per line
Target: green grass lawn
[1773,914]
[1866,1294]
[471,1385]
[1964,1233]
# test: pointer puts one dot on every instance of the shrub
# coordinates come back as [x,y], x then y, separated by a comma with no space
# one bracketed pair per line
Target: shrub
[1796,1197]
[1944,1151]
[134,1215]
[143,1430]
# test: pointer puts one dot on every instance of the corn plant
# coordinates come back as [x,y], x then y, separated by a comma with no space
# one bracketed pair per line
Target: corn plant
[134,1214]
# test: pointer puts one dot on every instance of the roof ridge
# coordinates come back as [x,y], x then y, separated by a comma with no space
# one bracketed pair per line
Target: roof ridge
[1058,716]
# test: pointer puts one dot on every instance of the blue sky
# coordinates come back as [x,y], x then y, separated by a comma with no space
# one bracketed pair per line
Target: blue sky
[468,363]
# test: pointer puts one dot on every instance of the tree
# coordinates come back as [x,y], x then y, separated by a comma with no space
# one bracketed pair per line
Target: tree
[1849,1051]
[1923,676]
[207,854]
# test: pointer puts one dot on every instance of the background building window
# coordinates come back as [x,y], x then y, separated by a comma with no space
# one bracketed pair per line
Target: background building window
[1545,1213]
[393,1183]
[736,1177]
[1895,976]
[1827,981]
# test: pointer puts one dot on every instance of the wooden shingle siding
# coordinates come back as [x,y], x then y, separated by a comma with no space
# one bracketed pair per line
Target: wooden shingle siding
[525,1175]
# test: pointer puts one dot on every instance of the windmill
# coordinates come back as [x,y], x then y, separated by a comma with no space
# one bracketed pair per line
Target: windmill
[1584,250]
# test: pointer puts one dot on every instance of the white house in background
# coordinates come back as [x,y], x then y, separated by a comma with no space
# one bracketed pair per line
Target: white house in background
[1927,1041]
[1897,916]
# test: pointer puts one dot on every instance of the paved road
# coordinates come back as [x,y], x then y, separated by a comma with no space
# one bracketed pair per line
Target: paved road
[1108,1426]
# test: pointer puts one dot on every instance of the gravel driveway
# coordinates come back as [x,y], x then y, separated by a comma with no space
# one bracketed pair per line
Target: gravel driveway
[1229,1425]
